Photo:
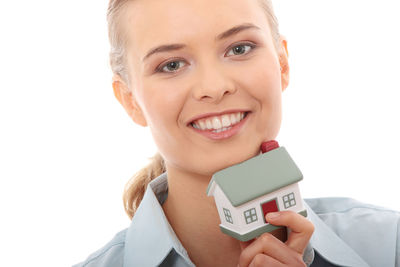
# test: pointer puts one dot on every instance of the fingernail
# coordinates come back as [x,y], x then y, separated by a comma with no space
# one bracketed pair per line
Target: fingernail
[273,215]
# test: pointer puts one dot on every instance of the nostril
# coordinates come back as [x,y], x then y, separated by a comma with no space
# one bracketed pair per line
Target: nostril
[212,94]
[206,97]
[227,92]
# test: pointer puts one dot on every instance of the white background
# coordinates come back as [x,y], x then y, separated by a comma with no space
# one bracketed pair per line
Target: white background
[67,147]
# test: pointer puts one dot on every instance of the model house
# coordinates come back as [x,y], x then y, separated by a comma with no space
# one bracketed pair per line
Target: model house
[246,192]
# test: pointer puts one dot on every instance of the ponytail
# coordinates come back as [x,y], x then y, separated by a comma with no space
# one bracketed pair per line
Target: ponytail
[136,186]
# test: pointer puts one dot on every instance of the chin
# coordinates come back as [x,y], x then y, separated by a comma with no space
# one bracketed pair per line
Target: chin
[211,165]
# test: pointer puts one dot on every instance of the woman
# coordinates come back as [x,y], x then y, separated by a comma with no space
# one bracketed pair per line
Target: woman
[207,78]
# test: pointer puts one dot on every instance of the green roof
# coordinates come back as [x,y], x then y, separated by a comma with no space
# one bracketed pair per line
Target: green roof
[257,176]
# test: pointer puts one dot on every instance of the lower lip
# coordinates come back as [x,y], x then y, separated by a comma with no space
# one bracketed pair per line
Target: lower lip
[224,134]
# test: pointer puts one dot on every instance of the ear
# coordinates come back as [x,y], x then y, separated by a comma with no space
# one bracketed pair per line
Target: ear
[284,62]
[126,98]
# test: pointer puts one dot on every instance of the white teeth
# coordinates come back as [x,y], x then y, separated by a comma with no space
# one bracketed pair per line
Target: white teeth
[233,119]
[221,129]
[219,123]
[216,123]
[225,121]
[209,124]
[203,125]
[237,116]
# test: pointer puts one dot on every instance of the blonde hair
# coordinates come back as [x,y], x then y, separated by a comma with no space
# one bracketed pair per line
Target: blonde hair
[136,186]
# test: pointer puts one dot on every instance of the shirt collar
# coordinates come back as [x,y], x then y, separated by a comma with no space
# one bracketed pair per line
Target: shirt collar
[330,246]
[150,237]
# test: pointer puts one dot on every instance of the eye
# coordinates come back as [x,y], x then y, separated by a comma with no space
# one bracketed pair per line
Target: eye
[239,49]
[173,66]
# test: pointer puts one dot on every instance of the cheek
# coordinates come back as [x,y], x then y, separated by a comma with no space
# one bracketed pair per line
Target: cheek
[163,105]
[162,102]
[265,87]
[262,76]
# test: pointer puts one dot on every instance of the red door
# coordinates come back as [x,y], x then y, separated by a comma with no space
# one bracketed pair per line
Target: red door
[269,206]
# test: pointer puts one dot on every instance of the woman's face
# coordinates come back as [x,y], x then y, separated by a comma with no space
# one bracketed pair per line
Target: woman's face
[229,81]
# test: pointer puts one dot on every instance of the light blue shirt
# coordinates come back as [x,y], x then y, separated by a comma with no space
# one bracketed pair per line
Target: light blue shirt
[347,233]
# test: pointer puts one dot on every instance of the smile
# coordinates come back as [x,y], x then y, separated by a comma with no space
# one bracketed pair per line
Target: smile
[217,124]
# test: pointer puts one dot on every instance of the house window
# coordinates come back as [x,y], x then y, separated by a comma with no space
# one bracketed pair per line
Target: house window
[269,206]
[250,215]
[228,215]
[289,201]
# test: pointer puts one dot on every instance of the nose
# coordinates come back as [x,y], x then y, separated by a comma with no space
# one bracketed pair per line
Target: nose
[214,84]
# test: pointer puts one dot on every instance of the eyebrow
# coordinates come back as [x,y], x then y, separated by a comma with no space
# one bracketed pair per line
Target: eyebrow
[224,35]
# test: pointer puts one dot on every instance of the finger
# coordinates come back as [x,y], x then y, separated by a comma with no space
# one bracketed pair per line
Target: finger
[301,228]
[265,260]
[245,244]
[269,245]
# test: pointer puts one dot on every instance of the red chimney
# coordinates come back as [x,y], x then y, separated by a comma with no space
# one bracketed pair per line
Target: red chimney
[269,145]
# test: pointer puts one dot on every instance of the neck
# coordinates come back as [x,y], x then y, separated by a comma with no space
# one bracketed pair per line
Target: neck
[195,220]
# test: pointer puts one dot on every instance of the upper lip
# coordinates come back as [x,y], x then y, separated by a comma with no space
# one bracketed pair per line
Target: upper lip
[212,114]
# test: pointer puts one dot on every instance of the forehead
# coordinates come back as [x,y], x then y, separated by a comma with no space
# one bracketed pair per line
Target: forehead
[149,23]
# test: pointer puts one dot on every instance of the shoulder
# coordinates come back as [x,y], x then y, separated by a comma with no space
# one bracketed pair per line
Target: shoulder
[343,213]
[372,231]
[112,254]
[335,206]
[343,204]
[347,214]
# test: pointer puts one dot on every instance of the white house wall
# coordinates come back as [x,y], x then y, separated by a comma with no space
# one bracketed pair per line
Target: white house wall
[221,202]
[256,203]
[239,224]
